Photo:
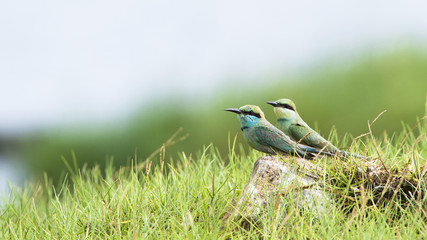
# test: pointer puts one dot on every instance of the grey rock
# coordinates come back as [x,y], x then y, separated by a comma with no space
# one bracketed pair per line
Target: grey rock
[279,181]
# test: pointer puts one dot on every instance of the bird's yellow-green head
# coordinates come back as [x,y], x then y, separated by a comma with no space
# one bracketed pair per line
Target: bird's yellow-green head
[284,108]
[248,114]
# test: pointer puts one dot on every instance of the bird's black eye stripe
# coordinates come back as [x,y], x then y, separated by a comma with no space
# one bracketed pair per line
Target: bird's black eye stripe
[287,106]
[253,114]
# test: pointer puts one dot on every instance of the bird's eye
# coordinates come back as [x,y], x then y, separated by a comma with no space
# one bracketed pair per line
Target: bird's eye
[254,114]
[287,106]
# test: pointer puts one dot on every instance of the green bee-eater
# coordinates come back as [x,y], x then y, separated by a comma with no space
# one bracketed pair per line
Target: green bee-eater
[264,137]
[289,121]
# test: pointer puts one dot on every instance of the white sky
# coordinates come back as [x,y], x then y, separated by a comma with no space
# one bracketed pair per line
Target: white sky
[66,61]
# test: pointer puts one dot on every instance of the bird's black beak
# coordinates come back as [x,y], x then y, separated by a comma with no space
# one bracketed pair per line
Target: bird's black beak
[235,110]
[273,103]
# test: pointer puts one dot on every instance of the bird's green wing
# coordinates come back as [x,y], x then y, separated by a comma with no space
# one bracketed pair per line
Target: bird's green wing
[313,139]
[274,138]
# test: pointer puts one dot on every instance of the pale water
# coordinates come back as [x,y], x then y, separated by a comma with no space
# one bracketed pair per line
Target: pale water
[10,173]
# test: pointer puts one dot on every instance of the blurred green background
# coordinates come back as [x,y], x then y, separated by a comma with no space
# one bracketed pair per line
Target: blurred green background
[109,79]
[344,95]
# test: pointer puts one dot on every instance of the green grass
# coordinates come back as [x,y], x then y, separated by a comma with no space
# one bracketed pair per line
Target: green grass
[188,198]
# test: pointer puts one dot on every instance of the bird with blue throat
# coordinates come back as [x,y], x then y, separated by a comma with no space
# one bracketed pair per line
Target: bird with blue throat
[290,122]
[264,137]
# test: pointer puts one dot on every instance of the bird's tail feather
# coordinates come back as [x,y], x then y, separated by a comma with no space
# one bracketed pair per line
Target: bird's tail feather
[318,151]
[353,155]
[310,153]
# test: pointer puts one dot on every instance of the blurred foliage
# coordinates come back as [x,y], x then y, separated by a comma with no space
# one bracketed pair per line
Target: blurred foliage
[343,94]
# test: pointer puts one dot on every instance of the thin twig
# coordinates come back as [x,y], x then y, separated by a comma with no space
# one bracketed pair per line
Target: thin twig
[407,134]
[373,140]
[171,141]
